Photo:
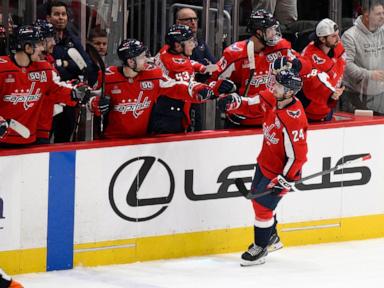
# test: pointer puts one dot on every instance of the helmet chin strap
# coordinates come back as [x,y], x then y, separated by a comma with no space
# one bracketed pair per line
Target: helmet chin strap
[261,38]
[183,45]
[134,68]
[30,55]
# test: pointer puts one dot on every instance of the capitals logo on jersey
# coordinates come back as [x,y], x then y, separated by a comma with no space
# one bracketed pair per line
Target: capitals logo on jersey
[317,59]
[27,97]
[179,60]
[259,80]
[234,47]
[294,114]
[137,108]
[269,135]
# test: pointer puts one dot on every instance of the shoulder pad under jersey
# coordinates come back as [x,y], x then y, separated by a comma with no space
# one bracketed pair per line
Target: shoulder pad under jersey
[7,64]
[236,50]
[41,65]
[151,72]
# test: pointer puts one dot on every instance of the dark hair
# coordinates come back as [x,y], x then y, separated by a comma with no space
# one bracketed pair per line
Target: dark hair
[369,5]
[52,4]
[94,33]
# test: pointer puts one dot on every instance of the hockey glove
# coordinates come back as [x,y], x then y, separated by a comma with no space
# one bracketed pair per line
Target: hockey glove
[230,102]
[3,127]
[225,86]
[280,186]
[283,63]
[211,68]
[100,106]
[81,93]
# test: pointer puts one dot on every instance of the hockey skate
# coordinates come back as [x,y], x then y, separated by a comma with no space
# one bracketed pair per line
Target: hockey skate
[274,243]
[254,256]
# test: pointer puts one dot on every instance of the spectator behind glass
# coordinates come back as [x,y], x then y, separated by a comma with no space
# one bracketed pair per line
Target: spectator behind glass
[64,123]
[99,40]
[285,11]
[201,53]
[364,74]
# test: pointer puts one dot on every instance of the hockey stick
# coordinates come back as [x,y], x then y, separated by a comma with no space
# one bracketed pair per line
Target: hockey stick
[17,127]
[244,191]
[252,66]
[77,58]
[99,61]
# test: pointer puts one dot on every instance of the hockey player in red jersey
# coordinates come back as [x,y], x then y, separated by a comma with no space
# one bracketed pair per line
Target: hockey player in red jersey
[171,115]
[44,124]
[7,282]
[134,88]
[283,154]
[268,46]
[25,82]
[327,55]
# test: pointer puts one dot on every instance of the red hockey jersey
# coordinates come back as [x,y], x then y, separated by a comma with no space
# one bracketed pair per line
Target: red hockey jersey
[284,148]
[22,91]
[316,95]
[234,65]
[44,124]
[181,68]
[333,66]
[132,99]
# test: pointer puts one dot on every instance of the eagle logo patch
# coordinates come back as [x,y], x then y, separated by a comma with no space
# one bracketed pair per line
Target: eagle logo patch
[317,59]
[294,114]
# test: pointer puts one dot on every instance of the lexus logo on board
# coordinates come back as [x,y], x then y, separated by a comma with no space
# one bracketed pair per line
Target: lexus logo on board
[132,198]
[146,171]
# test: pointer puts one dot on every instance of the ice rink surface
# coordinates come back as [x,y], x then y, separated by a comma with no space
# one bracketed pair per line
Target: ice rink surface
[344,264]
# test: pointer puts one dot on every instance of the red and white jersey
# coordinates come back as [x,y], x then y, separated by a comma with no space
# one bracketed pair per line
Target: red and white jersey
[234,65]
[181,68]
[284,148]
[44,124]
[177,66]
[316,95]
[22,91]
[132,99]
[334,66]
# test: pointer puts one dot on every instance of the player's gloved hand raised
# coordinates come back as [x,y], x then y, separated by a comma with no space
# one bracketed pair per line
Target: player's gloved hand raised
[229,102]
[284,63]
[3,127]
[280,186]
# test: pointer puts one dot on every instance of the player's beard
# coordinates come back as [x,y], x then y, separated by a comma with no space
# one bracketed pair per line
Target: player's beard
[332,46]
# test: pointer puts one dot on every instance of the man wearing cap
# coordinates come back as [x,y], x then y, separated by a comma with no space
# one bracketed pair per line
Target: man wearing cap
[326,52]
[327,55]
[364,73]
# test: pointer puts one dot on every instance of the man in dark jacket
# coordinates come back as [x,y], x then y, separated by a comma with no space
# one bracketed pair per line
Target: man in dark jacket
[68,69]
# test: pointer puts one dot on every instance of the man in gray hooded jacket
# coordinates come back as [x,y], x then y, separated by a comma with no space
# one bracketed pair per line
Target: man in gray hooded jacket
[364,74]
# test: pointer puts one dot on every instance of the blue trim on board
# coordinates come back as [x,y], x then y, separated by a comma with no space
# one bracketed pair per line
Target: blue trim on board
[61,210]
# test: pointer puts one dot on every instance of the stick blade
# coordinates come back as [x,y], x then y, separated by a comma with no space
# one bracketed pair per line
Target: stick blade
[19,128]
[251,55]
[77,58]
